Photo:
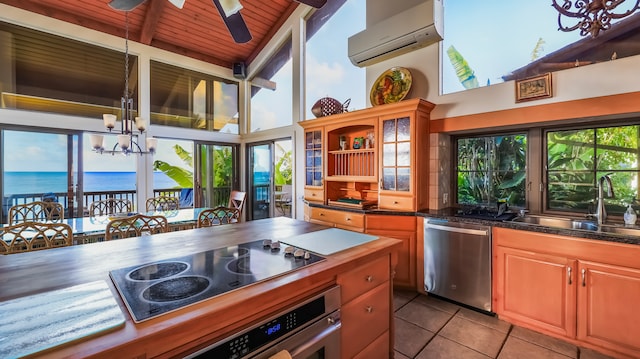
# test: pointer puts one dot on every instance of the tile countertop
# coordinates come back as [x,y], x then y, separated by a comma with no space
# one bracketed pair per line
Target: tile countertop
[449,214]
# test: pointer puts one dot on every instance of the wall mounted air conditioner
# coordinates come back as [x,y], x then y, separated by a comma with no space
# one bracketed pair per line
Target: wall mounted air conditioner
[406,31]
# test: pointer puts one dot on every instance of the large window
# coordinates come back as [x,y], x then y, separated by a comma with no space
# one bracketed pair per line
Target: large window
[490,169]
[578,158]
[489,42]
[49,73]
[189,99]
[328,69]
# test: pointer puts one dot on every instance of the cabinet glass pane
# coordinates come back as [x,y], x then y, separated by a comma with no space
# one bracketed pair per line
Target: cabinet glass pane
[309,178]
[308,140]
[389,154]
[403,180]
[317,178]
[317,139]
[309,158]
[389,178]
[389,131]
[317,158]
[404,156]
[404,129]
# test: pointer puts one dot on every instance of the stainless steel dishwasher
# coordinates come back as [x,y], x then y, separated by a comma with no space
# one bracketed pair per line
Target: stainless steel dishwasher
[457,262]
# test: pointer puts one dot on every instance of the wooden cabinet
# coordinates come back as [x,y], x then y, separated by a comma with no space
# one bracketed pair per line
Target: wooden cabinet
[403,228]
[537,288]
[370,157]
[366,309]
[585,291]
[403,137]
[334,218]
[608,298]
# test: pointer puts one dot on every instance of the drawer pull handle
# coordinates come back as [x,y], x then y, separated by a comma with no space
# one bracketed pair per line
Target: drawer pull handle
[395,202]
[369,278]
[348,219]
[321,214]
[569,275]
[369,309]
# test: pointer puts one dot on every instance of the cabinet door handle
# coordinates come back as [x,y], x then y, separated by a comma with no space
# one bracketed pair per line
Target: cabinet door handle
[369,278]
[369,309]
[569,275]
[584,280]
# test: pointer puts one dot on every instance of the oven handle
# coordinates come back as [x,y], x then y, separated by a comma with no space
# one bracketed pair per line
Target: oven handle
[308,345]
[477,232]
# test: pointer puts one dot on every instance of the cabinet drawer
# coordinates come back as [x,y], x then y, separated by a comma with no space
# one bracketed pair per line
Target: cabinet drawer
[364,278]
[364,319]
[339,218]
[393,223]
[378,349]
[396,202]
[314,195]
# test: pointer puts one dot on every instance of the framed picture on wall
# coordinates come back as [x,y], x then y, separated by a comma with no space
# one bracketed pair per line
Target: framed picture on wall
[534,88]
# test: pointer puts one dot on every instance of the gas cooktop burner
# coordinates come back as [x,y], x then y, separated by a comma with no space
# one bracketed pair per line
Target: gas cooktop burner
[157,288]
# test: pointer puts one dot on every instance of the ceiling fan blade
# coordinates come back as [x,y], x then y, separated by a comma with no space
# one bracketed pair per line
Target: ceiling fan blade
[315,3]
[177,3]
[125,5]
[236,25]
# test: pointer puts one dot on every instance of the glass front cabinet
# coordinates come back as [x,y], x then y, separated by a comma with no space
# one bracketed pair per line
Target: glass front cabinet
[372,158]
[313,165]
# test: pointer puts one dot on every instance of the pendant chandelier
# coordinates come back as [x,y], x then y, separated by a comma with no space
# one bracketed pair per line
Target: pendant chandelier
[126,140]
[592,16]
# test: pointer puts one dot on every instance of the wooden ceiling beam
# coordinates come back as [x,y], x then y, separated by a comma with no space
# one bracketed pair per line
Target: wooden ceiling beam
[151,20]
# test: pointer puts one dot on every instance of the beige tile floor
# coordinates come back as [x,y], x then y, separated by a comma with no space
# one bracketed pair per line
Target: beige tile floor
[427,327]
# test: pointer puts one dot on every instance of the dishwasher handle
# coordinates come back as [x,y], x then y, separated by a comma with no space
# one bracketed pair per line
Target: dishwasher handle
[477,232]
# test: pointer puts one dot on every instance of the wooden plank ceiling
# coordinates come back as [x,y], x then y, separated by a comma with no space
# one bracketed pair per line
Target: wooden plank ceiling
[195,31]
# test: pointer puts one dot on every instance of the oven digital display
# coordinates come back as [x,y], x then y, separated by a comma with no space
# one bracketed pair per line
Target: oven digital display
[274,329]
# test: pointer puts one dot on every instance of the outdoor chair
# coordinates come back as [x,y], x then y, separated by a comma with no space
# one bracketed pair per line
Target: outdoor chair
[110,206]
[236,200]
[217,216]
[162,203]
[135,226]
[38,211]
[33,236]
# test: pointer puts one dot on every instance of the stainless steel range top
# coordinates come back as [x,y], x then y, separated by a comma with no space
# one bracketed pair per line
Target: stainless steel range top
[160,287]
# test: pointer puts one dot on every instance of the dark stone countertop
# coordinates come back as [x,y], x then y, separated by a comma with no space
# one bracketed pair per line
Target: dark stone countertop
[450,214]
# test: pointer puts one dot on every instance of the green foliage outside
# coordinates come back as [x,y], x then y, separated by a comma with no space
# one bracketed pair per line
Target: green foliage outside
[222,163]
[283,168]
[491,169]
[578,158]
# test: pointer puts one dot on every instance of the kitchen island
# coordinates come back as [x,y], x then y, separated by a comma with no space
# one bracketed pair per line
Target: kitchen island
[191,328]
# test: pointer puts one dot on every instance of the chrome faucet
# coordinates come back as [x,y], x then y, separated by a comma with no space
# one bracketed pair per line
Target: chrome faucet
[601,212]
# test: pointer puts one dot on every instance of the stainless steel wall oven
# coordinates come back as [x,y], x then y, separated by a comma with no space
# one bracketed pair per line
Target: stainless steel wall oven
[310,329]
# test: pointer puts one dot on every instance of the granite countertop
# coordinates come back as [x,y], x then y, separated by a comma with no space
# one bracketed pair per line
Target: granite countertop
[450,215]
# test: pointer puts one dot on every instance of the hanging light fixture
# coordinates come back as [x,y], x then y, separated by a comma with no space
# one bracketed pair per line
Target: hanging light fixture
[126,141]
[592,15]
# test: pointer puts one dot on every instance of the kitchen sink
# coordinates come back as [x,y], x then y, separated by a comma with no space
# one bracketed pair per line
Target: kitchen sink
[582,224]
[558,222]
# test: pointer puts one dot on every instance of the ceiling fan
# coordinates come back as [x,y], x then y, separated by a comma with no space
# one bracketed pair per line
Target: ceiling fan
[229,11]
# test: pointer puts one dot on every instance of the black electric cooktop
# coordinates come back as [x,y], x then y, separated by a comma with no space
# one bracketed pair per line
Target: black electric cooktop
[160,287]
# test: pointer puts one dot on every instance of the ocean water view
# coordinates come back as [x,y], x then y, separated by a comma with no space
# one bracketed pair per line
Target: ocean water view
[43,182]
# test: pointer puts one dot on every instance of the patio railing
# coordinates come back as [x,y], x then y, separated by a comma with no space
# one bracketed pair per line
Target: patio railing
[220,197]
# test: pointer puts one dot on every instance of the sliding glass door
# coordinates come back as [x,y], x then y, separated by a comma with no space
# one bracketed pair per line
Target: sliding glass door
[217,175]
[270,179]
[38,166]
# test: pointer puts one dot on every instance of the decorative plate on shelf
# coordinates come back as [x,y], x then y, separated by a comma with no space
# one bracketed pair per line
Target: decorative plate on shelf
[392,86]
